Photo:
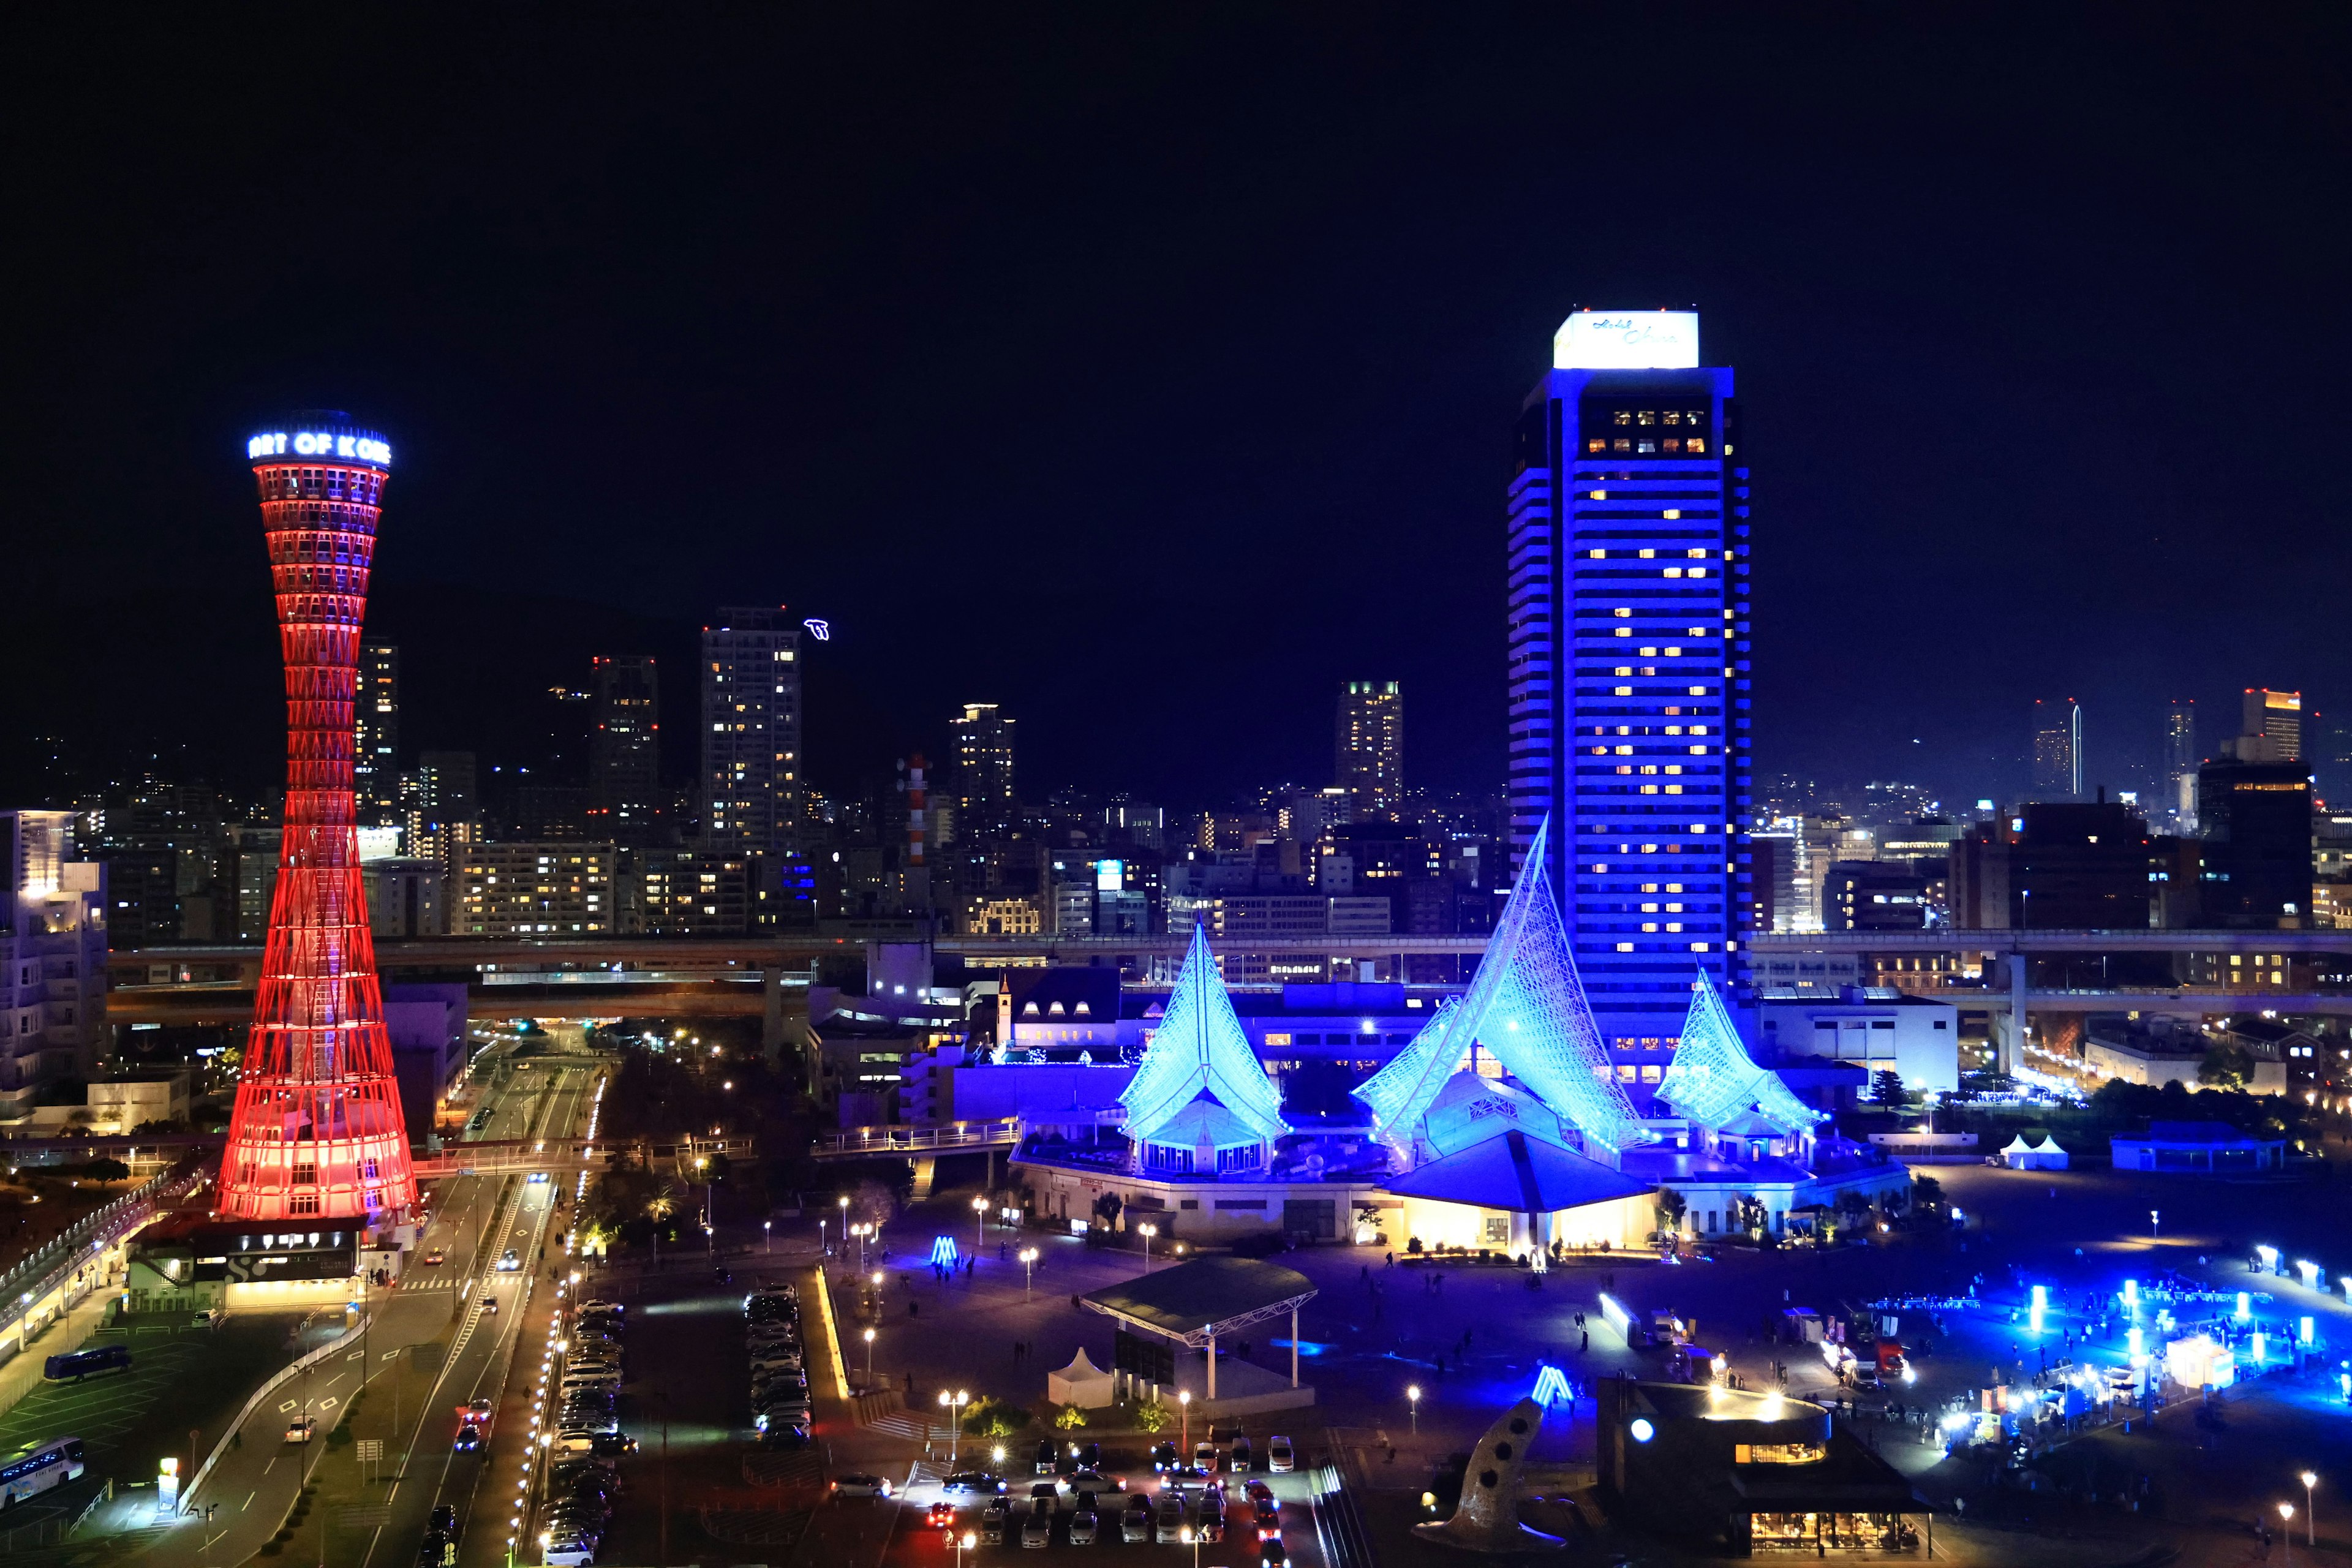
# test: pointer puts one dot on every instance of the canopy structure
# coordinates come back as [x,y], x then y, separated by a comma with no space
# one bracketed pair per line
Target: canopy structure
[1194,1303]
[1713,1081]
[1515,1171]
[1526,1007]
[1199,1048]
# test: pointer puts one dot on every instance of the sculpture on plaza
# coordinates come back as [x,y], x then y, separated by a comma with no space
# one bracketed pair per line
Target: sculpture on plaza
[1488,1517]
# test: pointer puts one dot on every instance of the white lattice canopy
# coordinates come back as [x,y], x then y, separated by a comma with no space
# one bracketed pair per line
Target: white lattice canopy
[1713,1081]
[1199,1048]
[1526,1007]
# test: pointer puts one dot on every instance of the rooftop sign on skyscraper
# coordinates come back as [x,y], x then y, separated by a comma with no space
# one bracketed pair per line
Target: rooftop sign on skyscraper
[1627,340]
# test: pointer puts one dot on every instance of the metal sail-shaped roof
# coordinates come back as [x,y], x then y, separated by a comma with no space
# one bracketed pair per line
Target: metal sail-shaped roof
[1712,1079]
[1528,1007]
[1199,1046]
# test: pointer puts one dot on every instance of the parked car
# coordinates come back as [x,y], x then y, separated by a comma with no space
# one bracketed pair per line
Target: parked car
[970,1485]
[1135,1524]
[1211,1525]
[1083,1526]
[1049,1457]
[1238,1457]
[992,1522]
[1204,1457]
[1037,1529]
[1169,1518]
[1280,1457]
[612,1444]
[1044,1498]
[1164,1458]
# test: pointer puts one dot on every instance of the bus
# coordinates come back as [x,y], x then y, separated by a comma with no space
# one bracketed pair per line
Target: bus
[75,1365]
[37,1467]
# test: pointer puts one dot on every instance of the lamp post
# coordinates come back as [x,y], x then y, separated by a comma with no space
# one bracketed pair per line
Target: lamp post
[869,1360]
[1185,1415]
[1147,1232]
[768,1237]
[954,1404]
[1028,1271]
[2153,1217]
[844,1224]
[964,1543]
[979,1225]
[1412,1400]
[2310,1514]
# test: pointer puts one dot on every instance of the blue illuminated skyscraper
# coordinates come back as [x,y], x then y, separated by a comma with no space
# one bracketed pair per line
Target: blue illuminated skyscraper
[1628,584]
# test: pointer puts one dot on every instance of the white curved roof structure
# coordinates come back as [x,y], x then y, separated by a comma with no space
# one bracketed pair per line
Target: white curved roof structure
[1526,1006]
[1712,1079]
[1200,1047]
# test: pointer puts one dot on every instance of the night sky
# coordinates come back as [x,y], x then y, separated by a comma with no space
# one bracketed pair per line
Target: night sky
[1153,379]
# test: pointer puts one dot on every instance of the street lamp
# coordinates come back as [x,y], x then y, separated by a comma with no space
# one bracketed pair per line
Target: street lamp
[964,1543]
[1147,1232]
[768,1232]
[869,1361]
[979,1225]
[1184,1414]
[2153,1217]
[1028,1271]
[2310,1514]
[1412,1399]
[954,1404]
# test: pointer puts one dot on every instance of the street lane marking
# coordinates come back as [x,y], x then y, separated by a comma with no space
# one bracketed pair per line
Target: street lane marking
[250,1495]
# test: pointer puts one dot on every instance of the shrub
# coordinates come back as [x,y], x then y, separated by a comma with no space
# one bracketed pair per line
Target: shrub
[1154,1417]
[1412,1246]
[993,1417]
[1069,1419]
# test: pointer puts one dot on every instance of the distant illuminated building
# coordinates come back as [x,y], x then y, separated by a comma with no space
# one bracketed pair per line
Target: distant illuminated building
[983,749]
[625,751]
[1628,623]
[2181,760]
[2271,726]
[2057,748]
[1368,747]
[375,765]
[752,731]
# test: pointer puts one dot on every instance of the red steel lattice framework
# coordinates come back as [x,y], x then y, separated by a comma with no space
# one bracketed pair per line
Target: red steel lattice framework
[318,1130]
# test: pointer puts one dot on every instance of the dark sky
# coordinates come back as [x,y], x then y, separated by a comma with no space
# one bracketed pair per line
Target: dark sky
[1153,377]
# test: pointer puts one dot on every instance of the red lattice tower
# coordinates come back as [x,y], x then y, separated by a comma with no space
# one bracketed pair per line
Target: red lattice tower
[318,1130]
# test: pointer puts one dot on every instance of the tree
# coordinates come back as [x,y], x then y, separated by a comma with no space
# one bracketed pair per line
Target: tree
[1106,1208]
[2226,1067]
[1887,1087]
[1671,1209]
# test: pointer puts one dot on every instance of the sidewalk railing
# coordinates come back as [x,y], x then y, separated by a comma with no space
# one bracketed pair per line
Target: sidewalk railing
[29,1283]
[902,1140]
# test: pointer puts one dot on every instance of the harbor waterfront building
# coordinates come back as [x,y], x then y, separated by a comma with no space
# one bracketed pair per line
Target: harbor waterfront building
[1629,644]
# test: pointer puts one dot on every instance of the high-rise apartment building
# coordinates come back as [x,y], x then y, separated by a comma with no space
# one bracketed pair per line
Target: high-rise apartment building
[625,751]
[1368,747]
[752,733]
[375,756]
[2057,748]
[983,748]
[551,889]
[1628,625]
[53,920]
[2258,820]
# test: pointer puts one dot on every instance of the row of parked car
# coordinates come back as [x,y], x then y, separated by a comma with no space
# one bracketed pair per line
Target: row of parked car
[583,1477]
[781,1409]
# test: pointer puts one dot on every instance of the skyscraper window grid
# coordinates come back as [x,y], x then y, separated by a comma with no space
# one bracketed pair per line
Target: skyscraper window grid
[1368,748]
[376,758]
[624,751]
[752,731]
[1630,680]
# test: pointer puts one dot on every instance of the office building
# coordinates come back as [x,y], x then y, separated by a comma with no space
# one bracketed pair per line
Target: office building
[1628,625]
[550,889]
[253,854]
[1368,748]
[2181,758]
[406,897]
[752,733]
[375,756]
[625,752]
[983,751]
[1878,895]
[684,892]
[2057,865]
[2058,748]
[2270,727]
[2257,821]
[53,920]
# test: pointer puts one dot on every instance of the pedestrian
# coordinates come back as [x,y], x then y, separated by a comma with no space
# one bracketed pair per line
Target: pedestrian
[1392,1263]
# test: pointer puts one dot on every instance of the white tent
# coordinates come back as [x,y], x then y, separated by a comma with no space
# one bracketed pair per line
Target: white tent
[1081,1384]
[2020,1155]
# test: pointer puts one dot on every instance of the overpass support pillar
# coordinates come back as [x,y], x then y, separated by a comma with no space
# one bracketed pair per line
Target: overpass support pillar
[2010,1049]
[925,1166]
[771,1022]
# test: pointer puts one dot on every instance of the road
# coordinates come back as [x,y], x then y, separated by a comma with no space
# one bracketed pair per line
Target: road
[416,1369]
